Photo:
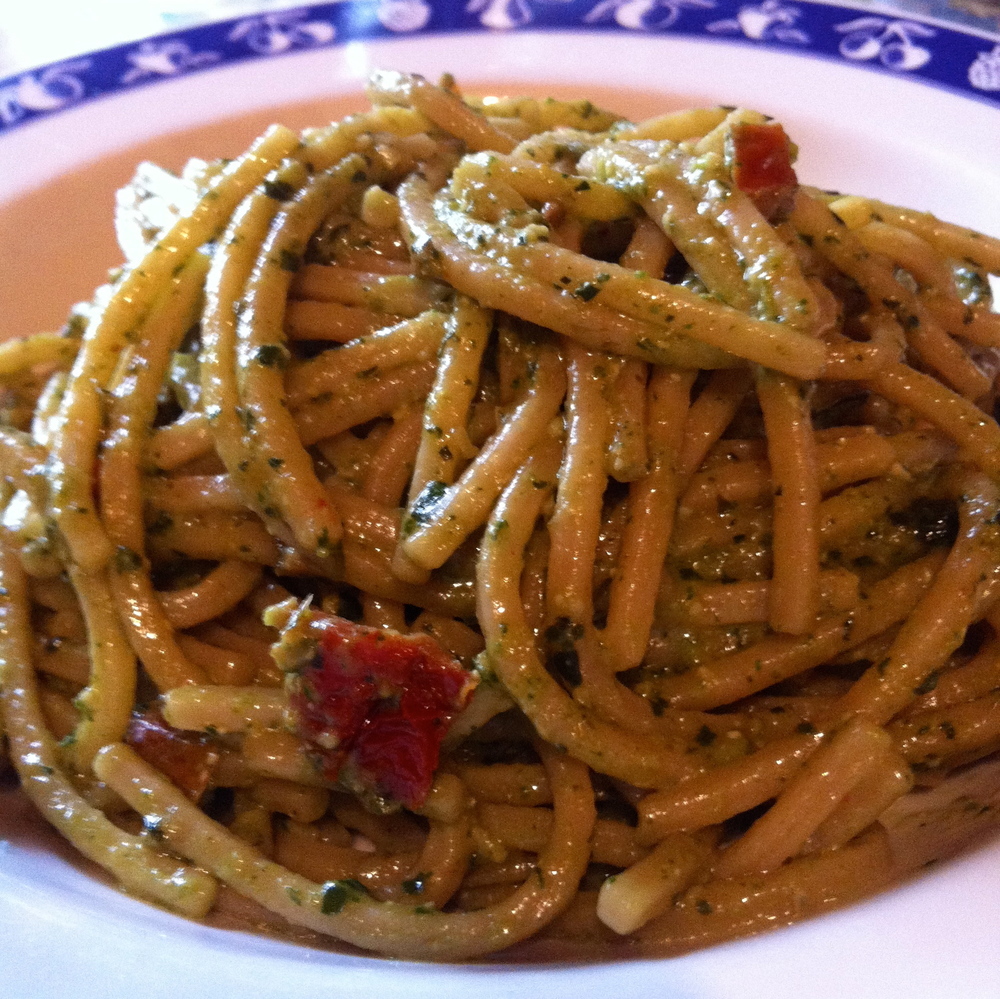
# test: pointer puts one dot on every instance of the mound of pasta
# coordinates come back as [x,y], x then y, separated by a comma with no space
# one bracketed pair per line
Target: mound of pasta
[486,521]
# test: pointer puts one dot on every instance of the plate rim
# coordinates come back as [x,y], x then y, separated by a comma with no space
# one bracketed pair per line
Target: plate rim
[876,38]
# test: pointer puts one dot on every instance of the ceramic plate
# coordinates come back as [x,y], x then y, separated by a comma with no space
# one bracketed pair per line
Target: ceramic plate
[880,103]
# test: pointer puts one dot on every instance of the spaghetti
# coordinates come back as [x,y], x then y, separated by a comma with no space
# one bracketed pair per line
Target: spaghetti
[482,522]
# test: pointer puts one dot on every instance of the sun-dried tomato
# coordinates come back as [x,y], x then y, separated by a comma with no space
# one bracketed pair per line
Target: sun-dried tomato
[373,704]
[762,167]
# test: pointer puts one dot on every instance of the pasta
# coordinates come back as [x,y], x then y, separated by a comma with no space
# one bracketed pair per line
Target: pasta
[484,525]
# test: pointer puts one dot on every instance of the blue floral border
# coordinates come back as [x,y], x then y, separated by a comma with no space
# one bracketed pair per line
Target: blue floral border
[958,60]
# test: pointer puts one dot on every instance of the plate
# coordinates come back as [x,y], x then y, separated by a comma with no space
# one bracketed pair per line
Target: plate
[881,104]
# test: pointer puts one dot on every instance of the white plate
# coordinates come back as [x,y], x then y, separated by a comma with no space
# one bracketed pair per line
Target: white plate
[903,133]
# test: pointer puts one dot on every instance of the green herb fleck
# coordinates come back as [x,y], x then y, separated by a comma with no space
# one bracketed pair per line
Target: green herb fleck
[336,894]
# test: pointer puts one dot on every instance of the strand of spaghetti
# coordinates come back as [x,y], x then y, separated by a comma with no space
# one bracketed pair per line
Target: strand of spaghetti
[392,464]
[794,593]
[393,295]
[838,463]
[592,325]
[847,513]
[442,518]
[648,250]
[887,778]
[951,241]
[371,570]
[728,790]
[74,445]
[806,801]
[309,320]
[444,439]
[47,407]
[708,604]
[725,909]
[850,360]
[539,182]
[550,114]
[20,353]
[445,442]
[105,704]
[976,324]
[778,657]
[714,142]
[709,416]
[223,708]
[666,313]
[533,579]
[213,537]
[407,342]
[972,430]
[673,205]
[231,267]
[223,666]
[255,652]
[193,494]
[643,891]
[962,731]
[511,649]
[515,827]
[187,438]
[362,400]
[965,683]
[385,481]
[576,520]
[130,859]
[770,268]
[938,624]
[337,908]
[447,110]
[443,861]
[649,523]
[911,253]
[814,221]
[131,412]
[627,458]
[290,486]
[23,464]
[675,126]
[327,145]
[217,592]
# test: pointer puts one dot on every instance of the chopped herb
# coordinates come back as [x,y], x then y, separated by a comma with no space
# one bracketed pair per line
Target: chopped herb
[160,523]
[290,261]
[127,560]
[272,355]
[705,736]
[280,190]
[423,505]
[336,894]
[416,884]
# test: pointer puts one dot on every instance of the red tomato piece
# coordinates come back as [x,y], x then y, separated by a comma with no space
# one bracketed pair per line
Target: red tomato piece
[187,758]
[373,704]
[762,167]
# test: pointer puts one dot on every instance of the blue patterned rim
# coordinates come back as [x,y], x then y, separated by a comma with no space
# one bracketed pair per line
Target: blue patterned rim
[961,61]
